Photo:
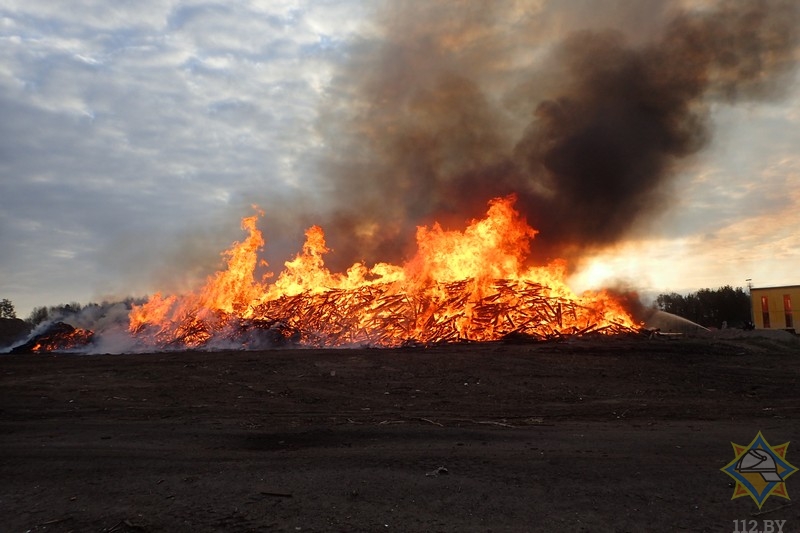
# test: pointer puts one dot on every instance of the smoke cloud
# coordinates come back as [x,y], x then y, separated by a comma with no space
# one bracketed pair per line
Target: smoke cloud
[583,109]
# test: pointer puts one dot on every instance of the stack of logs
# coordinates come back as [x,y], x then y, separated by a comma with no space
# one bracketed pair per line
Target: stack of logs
[378,315]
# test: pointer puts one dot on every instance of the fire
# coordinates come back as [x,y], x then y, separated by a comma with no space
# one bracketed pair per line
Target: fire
[469,285]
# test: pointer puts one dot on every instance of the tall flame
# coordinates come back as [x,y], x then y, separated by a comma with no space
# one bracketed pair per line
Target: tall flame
[470,285]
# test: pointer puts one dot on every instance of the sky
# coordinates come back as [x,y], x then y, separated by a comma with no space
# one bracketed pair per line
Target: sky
[135,136]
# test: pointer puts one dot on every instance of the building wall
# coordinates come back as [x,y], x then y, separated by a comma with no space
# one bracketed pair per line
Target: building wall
[776,307]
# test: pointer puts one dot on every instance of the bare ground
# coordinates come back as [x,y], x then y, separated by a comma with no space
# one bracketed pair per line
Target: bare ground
[586,435]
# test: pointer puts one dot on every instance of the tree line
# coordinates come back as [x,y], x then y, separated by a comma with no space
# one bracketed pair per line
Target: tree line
[710,307]
[62,311]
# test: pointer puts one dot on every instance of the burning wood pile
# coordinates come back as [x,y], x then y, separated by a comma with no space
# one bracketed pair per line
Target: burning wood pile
[373,316]
[461,286]
[470,286]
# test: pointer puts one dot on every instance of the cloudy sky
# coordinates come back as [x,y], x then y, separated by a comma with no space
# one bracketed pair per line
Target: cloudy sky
[135,135]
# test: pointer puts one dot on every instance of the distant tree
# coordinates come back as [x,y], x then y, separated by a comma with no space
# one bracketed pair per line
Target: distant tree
[92,311]
[7,309]
[709,307]
[672,303]
[55,312]
[37,316]
[72,308]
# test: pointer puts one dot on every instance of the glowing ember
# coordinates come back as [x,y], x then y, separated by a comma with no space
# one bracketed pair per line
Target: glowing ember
[460,286]
[58,337]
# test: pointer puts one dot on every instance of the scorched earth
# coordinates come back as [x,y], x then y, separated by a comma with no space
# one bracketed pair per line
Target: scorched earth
[590,434]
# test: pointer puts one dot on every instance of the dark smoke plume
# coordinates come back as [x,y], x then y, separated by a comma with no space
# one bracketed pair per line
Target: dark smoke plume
[583,109]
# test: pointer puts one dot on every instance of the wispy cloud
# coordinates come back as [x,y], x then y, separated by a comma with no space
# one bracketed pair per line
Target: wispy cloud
[130,123]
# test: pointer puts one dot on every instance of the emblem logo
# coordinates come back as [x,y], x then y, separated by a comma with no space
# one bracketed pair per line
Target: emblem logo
[760,470]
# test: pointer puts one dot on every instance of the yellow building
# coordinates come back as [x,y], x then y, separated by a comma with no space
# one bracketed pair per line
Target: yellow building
[772,307]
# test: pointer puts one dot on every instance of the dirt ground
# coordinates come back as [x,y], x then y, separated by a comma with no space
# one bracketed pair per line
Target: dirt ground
[595,435]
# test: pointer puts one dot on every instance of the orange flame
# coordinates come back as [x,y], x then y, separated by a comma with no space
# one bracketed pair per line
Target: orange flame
[469,285]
